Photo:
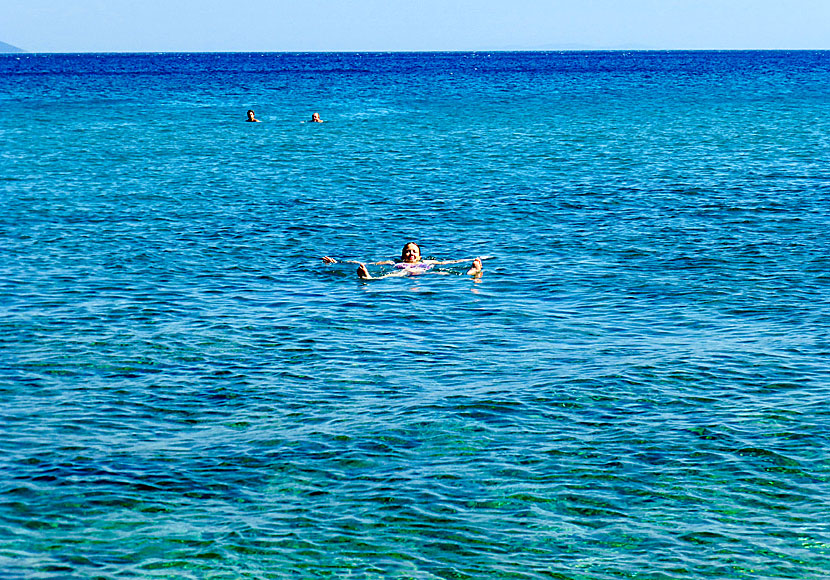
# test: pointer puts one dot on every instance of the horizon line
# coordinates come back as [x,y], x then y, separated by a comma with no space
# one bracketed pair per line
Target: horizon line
[420,51]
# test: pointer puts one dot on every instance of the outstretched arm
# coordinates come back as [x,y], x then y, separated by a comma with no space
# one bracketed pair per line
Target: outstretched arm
[461,261]
[475,269]
[328,260]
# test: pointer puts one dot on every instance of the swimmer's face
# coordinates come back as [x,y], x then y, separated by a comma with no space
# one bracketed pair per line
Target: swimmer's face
[411,253]
[315,116]
[250,114]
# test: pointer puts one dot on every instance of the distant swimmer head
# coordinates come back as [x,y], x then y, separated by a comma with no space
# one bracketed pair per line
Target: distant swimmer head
[251,117]
[315,118]
[410,253]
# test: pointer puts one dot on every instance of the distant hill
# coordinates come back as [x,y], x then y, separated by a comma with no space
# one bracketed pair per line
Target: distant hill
[9,48]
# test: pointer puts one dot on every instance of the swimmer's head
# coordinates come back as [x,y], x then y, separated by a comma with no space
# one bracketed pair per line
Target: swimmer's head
[250,114]
[411,253]
[315,117]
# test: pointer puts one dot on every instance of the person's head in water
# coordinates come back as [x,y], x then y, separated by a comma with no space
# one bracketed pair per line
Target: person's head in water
[315,118]
[251,117]
[411,253]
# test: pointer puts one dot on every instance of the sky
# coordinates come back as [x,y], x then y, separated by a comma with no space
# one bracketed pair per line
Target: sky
[411,25]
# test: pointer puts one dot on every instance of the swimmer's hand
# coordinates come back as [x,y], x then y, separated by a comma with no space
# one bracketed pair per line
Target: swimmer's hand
[476,269]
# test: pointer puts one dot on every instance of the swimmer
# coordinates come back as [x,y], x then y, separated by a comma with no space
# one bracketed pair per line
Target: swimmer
[315,118]
[251,117]
[410,264]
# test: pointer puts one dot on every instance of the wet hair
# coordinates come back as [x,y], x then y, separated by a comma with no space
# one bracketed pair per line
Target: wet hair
[410,244]
[251,111]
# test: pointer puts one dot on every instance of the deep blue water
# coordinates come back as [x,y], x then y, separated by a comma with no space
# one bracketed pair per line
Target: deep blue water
[636,387]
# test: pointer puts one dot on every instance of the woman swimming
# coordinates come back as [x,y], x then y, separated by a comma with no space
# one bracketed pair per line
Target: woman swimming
[410,264]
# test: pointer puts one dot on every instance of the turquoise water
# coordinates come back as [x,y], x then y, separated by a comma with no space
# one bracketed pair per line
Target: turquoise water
[636,387]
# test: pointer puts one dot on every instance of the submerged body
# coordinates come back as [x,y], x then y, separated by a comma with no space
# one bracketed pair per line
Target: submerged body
[422,266]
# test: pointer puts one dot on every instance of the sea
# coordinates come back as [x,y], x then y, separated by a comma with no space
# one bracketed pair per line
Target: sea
[636,386]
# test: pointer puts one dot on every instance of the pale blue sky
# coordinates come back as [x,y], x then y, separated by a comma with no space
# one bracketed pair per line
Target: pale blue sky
[402,25]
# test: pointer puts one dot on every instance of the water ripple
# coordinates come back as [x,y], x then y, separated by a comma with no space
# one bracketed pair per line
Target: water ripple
[635,386]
